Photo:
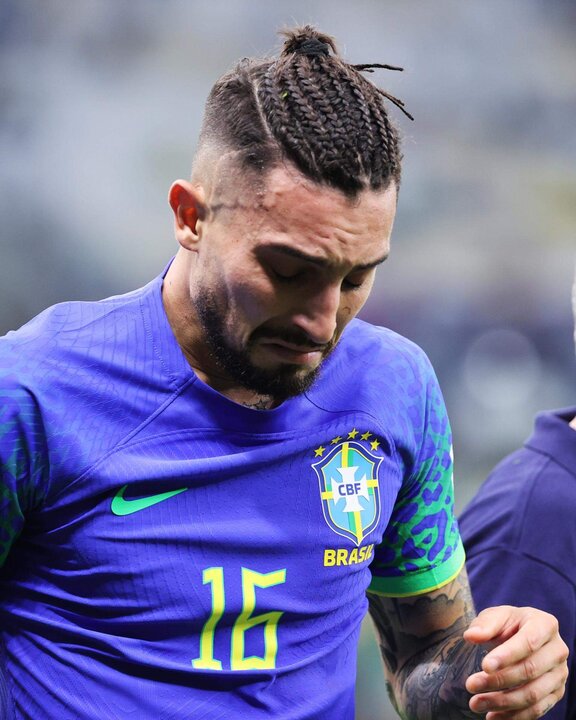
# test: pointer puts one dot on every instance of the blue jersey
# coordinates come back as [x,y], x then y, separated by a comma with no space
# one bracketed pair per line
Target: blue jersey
[171,554]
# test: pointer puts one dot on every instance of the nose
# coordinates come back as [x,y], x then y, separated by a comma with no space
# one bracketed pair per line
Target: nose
[316,312]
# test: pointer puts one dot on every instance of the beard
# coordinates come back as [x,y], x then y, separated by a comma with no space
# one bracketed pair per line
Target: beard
[281,382]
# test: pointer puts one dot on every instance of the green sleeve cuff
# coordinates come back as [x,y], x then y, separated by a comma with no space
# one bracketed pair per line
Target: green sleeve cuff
[420,581]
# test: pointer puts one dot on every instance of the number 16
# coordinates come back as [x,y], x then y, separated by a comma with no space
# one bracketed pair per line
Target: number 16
[251,579]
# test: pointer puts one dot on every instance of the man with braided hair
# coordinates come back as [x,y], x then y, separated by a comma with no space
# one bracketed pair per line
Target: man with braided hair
[205,482]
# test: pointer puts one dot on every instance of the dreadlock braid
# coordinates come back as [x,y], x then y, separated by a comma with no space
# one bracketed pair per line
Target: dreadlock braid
[312,108]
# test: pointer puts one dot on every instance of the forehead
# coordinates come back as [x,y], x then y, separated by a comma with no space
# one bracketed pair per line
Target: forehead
[323,221]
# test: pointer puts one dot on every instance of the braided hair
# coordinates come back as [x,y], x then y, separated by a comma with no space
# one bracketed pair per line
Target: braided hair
[310,107]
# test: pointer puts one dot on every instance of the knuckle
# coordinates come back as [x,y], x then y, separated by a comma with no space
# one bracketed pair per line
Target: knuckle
[561,689]
[531,670]
[533,698]
[533,642]
[544,706]
[501,681]
[551,619]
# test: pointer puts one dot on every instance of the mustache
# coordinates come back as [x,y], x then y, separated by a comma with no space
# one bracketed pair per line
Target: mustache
[294,336]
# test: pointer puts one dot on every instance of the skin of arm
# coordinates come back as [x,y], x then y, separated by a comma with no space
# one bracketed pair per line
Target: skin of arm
[440,659]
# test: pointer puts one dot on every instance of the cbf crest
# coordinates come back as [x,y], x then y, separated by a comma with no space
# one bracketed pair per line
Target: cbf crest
[348,477]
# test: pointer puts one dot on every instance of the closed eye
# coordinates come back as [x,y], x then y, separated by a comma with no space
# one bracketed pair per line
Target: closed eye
[356,280]
[349,285]
[285,270]
[285,276]
[285,265]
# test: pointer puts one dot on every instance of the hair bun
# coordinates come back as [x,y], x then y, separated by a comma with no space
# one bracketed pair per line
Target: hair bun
[311,46]
[307,41]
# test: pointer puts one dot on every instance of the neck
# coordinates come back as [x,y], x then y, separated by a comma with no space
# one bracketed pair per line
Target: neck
[262,402]
[573,423]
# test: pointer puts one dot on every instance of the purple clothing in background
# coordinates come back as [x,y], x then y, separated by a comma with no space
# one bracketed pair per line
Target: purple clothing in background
[520,533]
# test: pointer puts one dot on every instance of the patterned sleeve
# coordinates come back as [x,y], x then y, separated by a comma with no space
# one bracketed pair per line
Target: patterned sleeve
[22,460]
[421,549]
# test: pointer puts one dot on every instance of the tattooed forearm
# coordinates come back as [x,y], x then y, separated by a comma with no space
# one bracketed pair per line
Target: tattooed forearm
[426,660]
[434,683]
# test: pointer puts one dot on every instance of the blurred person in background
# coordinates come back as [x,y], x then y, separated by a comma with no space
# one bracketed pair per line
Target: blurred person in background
[205,482]
[520,535]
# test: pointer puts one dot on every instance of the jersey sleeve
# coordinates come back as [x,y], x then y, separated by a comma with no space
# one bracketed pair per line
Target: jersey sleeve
[421,549]
[23,465]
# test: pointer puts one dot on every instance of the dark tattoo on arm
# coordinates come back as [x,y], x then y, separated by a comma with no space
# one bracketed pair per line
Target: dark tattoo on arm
[426,659]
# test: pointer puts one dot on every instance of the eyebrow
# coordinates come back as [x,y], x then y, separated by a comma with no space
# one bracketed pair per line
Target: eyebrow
[320,262]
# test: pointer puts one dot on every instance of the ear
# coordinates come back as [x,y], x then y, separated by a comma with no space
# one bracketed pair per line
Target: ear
[188,206]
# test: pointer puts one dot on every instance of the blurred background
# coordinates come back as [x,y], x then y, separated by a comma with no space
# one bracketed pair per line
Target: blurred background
[100,106]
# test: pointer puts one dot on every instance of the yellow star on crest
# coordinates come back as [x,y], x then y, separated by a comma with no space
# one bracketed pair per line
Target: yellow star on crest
[374,445]
[366,435]
[336,440]
[319,451]
[352,434]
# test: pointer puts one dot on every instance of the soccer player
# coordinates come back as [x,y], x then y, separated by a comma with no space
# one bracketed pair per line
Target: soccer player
[207,480]
[520,535]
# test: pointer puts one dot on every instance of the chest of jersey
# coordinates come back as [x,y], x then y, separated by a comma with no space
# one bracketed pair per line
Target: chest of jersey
[224,544]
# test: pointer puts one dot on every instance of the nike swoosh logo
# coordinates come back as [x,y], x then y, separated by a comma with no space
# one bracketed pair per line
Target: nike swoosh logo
[121,506]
